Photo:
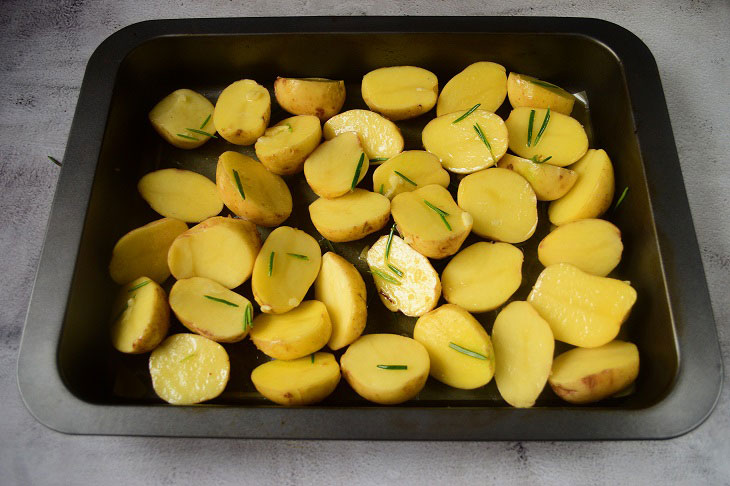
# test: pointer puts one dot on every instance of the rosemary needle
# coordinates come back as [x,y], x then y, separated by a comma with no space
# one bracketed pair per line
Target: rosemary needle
[202,132]
[271,263]
[392,367]
[467,352]
[395,270]
[205,122]
[298,256]
[55,161]
[483,137]
[441,213]
[182,135]
[468,112]
[356,179]
[379,159]
[222,301]
[390,242]
[139,285]
[404,178]
[545,122]
[248,317]
[238,184]
[621,197]
[384,276]
[529,128]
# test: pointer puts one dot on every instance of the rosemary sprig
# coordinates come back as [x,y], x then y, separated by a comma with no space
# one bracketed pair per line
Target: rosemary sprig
[222,301]
[483,137]
[238,184]
[379,159]
[298,256]
[384,276]
[536,159]
[55,161]
[441,213]
[393,367]
[182,135]
[395,270]
[621,197]
[468,112]
[545,122]
[139,285]
[382,189]
[404,178]
[187,357]
[271,263]
[390,242]
[467,352]
[116,318]
[529,128]
[205,122]
[248,317]
[356,179]
[202,132]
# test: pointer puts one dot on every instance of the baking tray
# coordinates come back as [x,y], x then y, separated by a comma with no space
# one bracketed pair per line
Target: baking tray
[73,381]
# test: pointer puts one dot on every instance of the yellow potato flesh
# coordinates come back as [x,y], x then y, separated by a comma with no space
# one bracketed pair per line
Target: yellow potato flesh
[283,147]
[582,309]
[180,194]
[483,276]
[524,90]
[143,251]
[564,140]
[430,233]
[177,112]
[588,375]
[459,146]
[242,112]
[188,369]
[593,245]
[523,347]
[301,381]
[221,249]
[414,293]
[502,203]
[198,304]
[448,334]
[592,193]
[418,166]
[400,92]
[140,317]
[350,217]
[330,170]
[549,182]
[280,279]
[385,386]
[380,137]
[291,335]
[481,82]
[263,198]
[320,97]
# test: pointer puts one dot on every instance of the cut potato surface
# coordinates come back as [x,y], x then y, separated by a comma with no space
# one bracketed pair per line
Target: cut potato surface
[180,194]
[386,368]
[483,276]
[459,348]
[430,221]
[252,192]
[400,92]
[141,317]
[188,369]
[283,147]
[593,245]
[459,144]
[179,112]
[320,97]
[221,249]
[549,182]
[582,309]
[502,203]
[242,112]
[301,381]
[285,268]
[350,217]
[143,251]
[482,82]
[524,90]
[211,310]
[408,171]
[380,137]
[417,290]
[336,166]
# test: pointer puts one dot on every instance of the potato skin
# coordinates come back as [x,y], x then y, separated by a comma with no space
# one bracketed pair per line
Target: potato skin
[400,92]
[549,182]
[482,82]
[157,325]
[320,97]
[523,90]
[286,157]
[180,194]
[242,112]
[297,382]
[346,218]
[179,110]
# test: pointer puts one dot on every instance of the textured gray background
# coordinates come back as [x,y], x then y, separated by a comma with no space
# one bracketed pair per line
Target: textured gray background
[44,47]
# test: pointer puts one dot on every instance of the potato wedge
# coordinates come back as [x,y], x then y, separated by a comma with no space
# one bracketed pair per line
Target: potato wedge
[179,111]
[502,203]
[524,90]
[386,368]
[143,251]
[459,144]
[188,369]
[414,293]
[563,139]
[582,309]
[591,195]
[221,249]
[481,277]
[302,381]
[180,194]
[242,112]
[350,217]
[400,92]
[430,221]
[285,268]
[211,310]
[458,347]
[523,346]
[336,166]
[588,375]
[593,245]
[141,317]
[549,182]
[283,147]
[252,192]
[291,335]
[380,137]
[482,82]
[320,97]
[408,171]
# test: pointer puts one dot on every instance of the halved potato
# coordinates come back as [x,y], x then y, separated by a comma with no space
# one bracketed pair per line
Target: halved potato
[283,147]
[386,368]
[320,97]
[188,369]
[408,171]
[502,203]
[482,82]
[380,137]
[180,194]
[140,316]
[291,335]
[221,249]
[285,268]
[549,182]
[459,144]
[143,251]
[481,277]
[430,221]
[211,310]
[524,90]
[458,347]
[593,245]
[252,192]
[301,381]
[336,166]
[350,217]
[180,111]
[400,92]
[242,112]
[417,290]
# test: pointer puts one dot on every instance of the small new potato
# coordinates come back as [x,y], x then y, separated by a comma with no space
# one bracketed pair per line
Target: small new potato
[336,166]
[350,217]
[524,90]
[180,194]
[319,97]
[242,112]
[283,147]
[141,317]
[302,381]
[380,137]
[593,245]
[400,92]
[408,171]
[180,111]
[549,182]
[482,82]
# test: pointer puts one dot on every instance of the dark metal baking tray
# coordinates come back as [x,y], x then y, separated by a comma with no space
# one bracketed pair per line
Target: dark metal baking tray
[73,381]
